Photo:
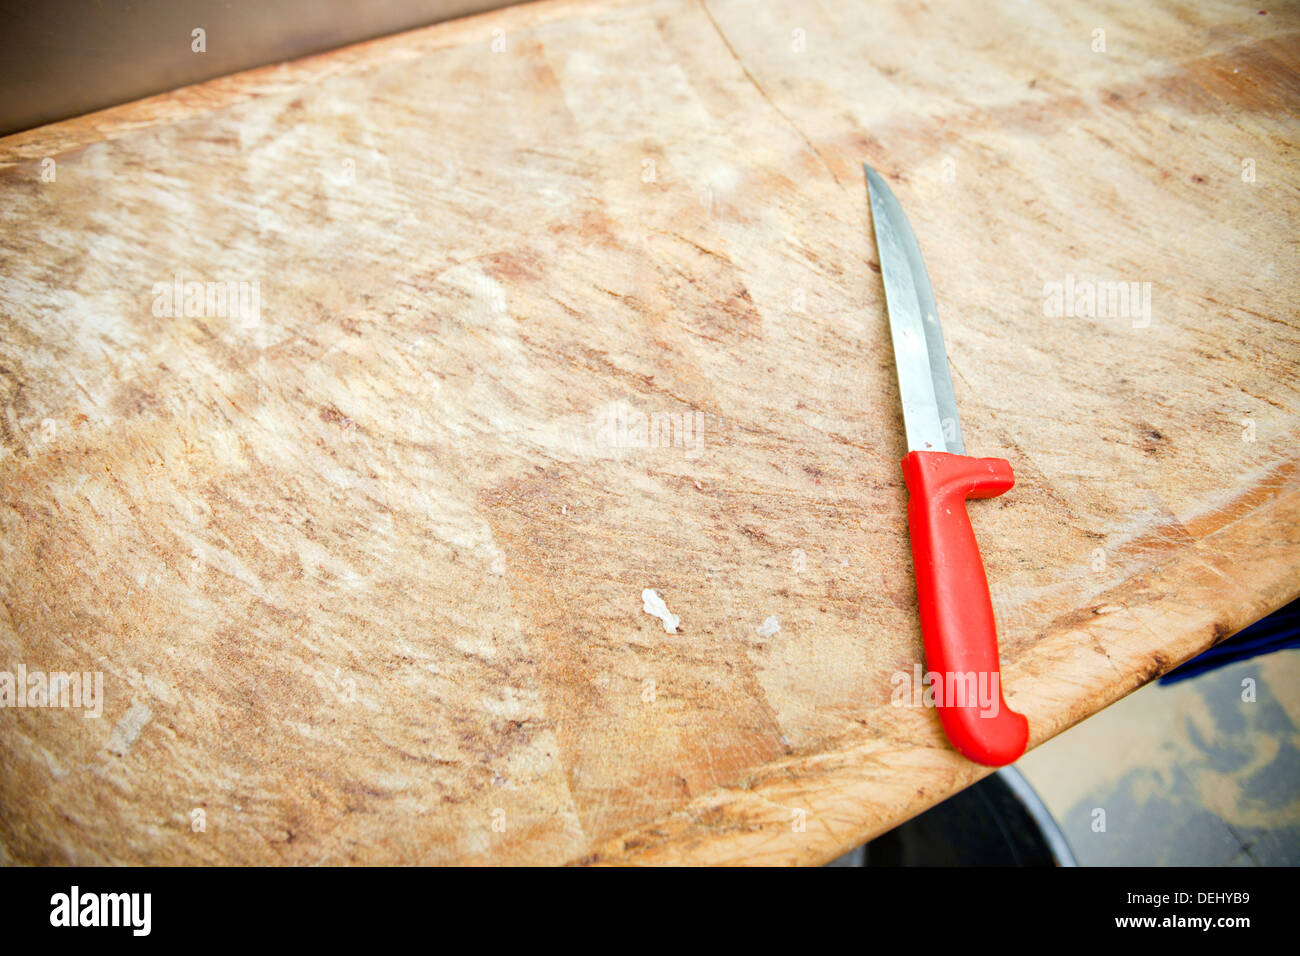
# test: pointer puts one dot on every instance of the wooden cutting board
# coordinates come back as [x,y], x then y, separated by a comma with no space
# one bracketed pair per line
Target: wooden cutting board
[548,307]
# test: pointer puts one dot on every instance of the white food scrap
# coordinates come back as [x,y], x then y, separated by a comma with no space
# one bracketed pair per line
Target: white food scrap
[769,627]
[654,605]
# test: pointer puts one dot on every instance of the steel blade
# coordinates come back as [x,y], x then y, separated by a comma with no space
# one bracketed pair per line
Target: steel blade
[929,404]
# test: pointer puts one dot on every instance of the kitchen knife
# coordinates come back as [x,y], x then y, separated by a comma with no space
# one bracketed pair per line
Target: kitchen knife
[957,628]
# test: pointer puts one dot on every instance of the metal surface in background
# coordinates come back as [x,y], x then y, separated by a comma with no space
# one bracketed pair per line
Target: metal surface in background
[68,57]
[999,821]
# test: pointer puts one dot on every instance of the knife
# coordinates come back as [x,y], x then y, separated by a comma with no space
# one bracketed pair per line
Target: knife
[957,628]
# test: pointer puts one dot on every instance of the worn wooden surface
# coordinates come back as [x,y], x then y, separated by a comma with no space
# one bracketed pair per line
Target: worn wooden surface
[364,576]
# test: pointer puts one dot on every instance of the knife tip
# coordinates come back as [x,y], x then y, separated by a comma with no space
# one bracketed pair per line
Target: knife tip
[874,182]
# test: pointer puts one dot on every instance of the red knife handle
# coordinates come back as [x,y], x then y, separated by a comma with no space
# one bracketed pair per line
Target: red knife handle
[956,612]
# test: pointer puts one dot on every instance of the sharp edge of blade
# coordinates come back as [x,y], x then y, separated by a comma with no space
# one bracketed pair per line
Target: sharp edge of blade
[940,375]
[921,419]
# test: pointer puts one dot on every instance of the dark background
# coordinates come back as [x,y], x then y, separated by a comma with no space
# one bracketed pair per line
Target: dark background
[62,58]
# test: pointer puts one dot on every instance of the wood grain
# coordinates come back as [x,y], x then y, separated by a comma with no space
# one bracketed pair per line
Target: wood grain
[363,571]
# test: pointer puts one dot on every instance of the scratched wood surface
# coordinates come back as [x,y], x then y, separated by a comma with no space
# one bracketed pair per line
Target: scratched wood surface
[362,565]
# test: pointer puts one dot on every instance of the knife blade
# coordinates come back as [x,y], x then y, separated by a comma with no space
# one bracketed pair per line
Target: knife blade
[956,611]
